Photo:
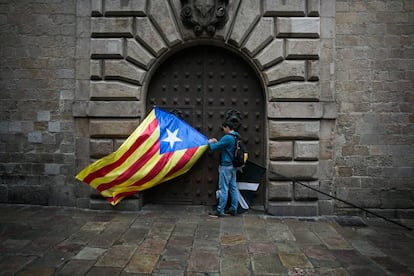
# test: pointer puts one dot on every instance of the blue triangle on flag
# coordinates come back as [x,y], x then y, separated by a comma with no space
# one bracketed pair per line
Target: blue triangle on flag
[176,134]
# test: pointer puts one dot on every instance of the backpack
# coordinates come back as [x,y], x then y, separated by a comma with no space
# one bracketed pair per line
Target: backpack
[240,153]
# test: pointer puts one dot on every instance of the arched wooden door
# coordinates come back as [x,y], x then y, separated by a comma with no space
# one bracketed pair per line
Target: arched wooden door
[203,83]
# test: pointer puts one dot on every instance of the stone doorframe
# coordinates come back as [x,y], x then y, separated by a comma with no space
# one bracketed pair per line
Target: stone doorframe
[290,44]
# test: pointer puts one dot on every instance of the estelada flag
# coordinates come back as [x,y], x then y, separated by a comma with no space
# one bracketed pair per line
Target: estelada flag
[162,147]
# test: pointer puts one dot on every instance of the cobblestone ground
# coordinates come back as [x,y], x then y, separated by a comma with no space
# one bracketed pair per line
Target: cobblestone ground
[167,240]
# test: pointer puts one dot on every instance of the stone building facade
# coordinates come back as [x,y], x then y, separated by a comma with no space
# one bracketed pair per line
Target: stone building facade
[335,88]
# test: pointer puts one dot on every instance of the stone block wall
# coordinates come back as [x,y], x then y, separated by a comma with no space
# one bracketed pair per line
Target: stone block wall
[337,77]
[374,68]
[37,87]
[301,108]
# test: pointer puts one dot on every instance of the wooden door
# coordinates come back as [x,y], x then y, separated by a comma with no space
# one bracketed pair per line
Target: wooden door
[202,84]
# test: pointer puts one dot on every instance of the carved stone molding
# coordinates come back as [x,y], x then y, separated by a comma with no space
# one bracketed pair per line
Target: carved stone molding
[204,15]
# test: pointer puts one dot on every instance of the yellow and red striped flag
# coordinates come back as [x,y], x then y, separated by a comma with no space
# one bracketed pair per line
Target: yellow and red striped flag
[161,148]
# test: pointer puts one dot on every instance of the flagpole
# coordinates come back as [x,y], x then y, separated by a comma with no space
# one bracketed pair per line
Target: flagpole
[346,202]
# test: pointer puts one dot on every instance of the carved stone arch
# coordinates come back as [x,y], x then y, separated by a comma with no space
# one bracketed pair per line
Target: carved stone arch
[282,40]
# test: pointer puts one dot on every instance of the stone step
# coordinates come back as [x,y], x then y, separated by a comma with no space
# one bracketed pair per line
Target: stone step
[130,204]
[293,209]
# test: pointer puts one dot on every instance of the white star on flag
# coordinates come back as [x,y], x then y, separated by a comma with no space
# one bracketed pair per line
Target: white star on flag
[172,137]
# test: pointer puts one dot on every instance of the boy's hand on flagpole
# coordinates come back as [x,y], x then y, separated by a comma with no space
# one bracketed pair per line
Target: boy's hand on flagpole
[212,140]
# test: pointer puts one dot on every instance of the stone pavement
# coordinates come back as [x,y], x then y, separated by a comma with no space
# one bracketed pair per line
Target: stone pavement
[180,240]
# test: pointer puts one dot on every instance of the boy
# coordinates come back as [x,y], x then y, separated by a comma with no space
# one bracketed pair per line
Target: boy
[227,172]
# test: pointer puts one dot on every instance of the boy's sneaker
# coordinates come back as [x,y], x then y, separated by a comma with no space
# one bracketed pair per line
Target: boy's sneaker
[217,214]
[231,212]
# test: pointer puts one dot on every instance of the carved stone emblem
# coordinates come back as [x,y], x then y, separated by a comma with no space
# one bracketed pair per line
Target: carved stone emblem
[204,15]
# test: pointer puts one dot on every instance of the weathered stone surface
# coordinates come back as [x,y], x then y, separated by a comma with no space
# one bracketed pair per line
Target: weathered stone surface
[233,240]
[330,110]
[285,71]
[325,163]
[148,35]
[106,90]
[271,55]
[116,256]
[298,170]
[282,150]
[369,198]
[123,70]
[101,147]
[294,91]
[96,7]
[112,128]
[302,48]
[328,34]
[162,15]
[114,109]
[306,150]
[326,207]
[107,48]
[294,260]
[29,192]
[186,32]
[125,8]
[309,110]
[89,253]
[280,130]
[401,199]
[366,248]
[160,232]
[314,7]
[284,8]
[298,27]
[336,242]
[261,35]
[82,69]
[313,70]
[304,193]
[285,245]
[204,260]
[141,263]
[112,27]
[280,191]
[247,16]
[73,267]
[279,232]
[235,265]
[118,143]
[95,69]
[292,209]
[138,54]
[128,204]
